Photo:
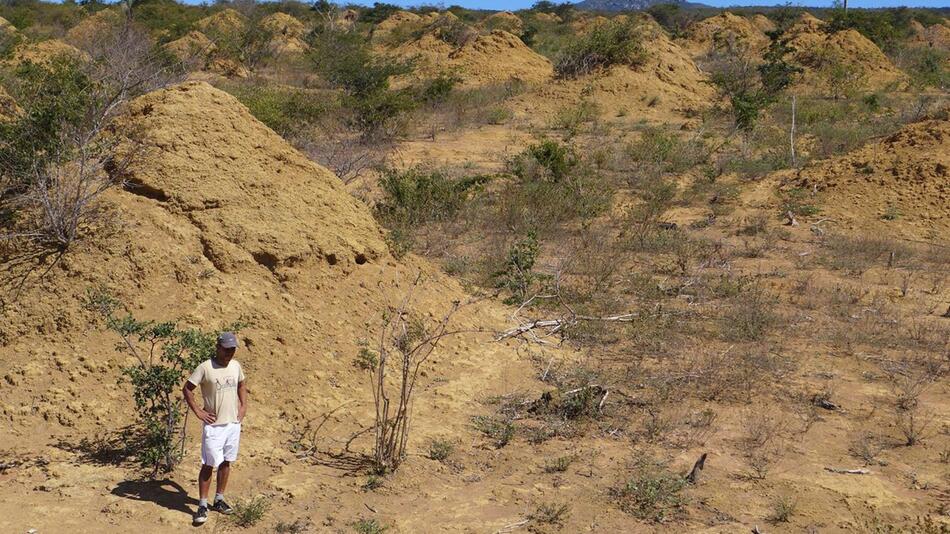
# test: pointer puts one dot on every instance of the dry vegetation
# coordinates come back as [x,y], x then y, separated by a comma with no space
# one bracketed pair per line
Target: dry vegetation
[683,310]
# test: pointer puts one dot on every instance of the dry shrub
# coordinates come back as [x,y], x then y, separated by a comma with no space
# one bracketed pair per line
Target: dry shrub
[857,254]
[750,316]
[761,442]
[867,448]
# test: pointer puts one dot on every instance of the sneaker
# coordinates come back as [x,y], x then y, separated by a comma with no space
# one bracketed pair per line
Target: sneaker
[201,515]
[222,507]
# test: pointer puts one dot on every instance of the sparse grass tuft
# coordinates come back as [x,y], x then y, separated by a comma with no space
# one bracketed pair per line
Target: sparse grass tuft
[783,508]
[500,430]
[248,512]
[440,449]
[369,526]
[559,464]
[653,493]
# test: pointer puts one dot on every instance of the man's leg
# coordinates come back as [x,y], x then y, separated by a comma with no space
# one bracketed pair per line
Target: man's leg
[223,471]
[204,481]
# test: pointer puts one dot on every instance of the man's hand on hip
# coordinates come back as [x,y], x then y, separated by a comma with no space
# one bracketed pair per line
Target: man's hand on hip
[208,417]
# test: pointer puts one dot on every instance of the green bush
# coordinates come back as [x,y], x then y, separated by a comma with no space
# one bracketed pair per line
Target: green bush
[926,66]
[287,111]
[418,195]
[249,512]
[667,150]
[55,97]
[547,161]
[517,276]
[163,355]
[653,493]
[345,60]
[553,185]
[501,431]
[610,43]
[369,526]
[440,449]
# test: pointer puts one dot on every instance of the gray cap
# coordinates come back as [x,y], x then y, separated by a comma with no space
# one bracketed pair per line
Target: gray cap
[227,340]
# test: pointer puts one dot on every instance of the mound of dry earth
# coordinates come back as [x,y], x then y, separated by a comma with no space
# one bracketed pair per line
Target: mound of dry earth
[935,35]
[846,56]
[222,23]
[763,23]
[725,28]
[481,59]
[45,51]
[402,26]
[904,177]
[90,30]
[223,219]
[287,33]
[194,48]
[504,20]
[8,106]
[667,85]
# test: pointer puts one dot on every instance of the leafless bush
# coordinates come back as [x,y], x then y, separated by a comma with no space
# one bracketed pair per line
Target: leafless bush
[761,441]
[408,342]
[344,152]
[866,448]
[57,197]
[913,424]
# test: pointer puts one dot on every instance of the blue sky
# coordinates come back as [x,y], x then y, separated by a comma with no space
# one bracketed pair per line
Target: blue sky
[519,4]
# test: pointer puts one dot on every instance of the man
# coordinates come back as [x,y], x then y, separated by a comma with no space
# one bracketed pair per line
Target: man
[225,404]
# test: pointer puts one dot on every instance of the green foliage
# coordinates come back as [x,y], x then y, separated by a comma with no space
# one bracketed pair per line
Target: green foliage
[287,111]
[501,431]
[610,43]
[750,317]
[777,74]
[164,353]
[440,449]
[551,514]
[797,201]
[249,512]
[926,66]
[416,195]
[439,88]
[517,276]
[673,18]
[783,508]
[378,13]
[559,464]
[547,161]
[373,482]
[369,526]
[55,97]
[345,60]
[366,359]
[554,185]
[883,26]
[667,151]
[752,90]
[653,493]
[167,18]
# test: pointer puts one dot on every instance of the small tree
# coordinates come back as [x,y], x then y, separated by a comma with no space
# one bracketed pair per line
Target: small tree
[406,342]
[611,43]
[164,353]
[60,154]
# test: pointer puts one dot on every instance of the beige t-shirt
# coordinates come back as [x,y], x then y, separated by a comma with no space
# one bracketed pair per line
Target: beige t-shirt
[219,388]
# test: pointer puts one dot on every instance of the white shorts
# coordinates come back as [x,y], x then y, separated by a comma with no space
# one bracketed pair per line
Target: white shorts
[219,443]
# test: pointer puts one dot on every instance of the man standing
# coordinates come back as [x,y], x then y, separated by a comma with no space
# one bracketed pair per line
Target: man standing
[225,403]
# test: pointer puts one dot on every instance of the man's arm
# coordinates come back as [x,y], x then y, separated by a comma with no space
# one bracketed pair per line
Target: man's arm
[189,392]
[242,397]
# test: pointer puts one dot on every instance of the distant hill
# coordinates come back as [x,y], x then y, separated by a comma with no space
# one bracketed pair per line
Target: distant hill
[629,5]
